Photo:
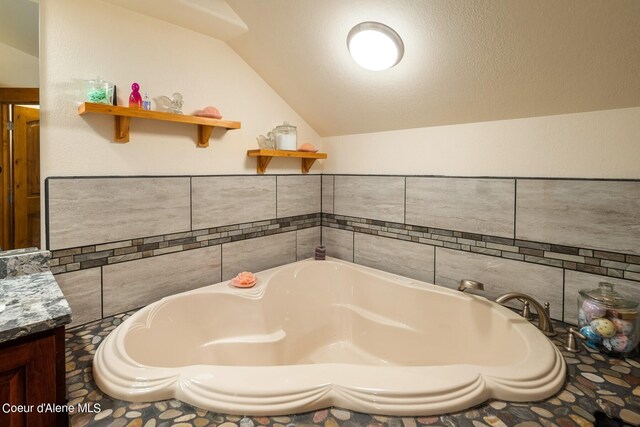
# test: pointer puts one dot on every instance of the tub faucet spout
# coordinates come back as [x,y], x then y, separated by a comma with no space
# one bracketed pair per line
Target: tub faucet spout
[544,321]
[470,284]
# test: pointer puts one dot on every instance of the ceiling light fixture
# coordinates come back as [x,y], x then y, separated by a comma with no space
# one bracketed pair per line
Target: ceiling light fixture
[375,46]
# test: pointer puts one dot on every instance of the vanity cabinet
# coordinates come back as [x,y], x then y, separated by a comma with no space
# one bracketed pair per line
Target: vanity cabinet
[32,372]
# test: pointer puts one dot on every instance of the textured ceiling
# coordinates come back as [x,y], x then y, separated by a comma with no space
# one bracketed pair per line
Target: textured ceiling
[465,60]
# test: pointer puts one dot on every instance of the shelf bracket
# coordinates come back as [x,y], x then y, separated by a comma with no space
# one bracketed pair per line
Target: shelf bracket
[306,165]
[204,132]
[122,128]
[262,163]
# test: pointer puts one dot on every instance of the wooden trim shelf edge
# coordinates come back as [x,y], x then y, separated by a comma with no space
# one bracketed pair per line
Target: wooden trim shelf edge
[264,156]
[123,117]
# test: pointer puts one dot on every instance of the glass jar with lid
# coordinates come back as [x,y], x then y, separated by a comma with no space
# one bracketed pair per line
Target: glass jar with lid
[286,137]
[609,320]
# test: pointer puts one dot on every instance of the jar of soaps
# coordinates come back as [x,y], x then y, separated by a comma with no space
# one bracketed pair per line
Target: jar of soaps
[609,320]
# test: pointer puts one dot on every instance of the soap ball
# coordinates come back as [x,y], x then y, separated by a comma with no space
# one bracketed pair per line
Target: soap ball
[603,327]
[623,327]
[593,339]
[619,343]
[593,310]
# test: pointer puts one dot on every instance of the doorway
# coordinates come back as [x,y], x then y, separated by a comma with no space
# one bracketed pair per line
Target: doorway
[20,168]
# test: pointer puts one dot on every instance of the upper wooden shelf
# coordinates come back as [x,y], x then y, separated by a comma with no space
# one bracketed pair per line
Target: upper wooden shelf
[123,117]
[265,156]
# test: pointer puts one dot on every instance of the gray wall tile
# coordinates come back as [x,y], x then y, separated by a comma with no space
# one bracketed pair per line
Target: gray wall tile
[258,254]
[374,197]
[500,276]
[592,214]
[225,200]
[395,256]
[339,243]
[306,241]
[99,210]
[298,195]
[575,281]
[473,205]
[137,283]
[83,291]
[327,193]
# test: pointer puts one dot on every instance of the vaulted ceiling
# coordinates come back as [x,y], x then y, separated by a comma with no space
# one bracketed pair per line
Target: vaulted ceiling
[465,60]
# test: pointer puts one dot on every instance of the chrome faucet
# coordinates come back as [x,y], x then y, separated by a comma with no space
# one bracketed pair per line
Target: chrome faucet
[470,284]
[544,321]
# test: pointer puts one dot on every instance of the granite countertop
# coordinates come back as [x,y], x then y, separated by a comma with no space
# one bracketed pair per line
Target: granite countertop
[30,299]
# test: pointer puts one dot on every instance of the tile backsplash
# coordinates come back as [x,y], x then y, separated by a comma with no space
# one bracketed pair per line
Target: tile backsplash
[123,242]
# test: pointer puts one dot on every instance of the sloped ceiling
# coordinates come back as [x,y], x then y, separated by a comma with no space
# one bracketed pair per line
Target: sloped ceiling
[465,60]
[19,25]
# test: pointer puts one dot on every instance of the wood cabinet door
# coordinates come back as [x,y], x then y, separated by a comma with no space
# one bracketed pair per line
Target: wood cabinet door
[28,377]
[26,177]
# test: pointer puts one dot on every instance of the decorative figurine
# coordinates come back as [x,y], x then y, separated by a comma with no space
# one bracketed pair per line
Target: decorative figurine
[135,100]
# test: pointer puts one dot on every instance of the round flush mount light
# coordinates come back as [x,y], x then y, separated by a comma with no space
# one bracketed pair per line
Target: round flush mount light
[375,46]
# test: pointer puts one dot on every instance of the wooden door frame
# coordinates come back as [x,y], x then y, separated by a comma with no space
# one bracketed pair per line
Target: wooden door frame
[10,96]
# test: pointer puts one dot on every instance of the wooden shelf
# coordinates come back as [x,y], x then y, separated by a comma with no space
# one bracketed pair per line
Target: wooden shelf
[123,117]
[265,156]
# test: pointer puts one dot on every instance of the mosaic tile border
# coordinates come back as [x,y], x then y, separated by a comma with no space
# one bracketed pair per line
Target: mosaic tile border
[611,264]
[84,257]
[595,383]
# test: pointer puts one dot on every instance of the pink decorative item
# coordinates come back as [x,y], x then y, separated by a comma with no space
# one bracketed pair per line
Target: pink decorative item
[209,111]
[135,100]
[308,148]
[244,280]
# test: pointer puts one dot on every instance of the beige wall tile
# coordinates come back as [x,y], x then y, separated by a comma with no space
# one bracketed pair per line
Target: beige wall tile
[327,193]
[133,284]
[373,197]
[407,259]
[258,254]
[590,214]
[225,200]
[99,210]
[339,243]
[484,206]
[83,291]
[501,275]
[298,195]
[306,241]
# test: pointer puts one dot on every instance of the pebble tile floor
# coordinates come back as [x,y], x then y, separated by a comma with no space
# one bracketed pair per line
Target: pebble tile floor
[596,383]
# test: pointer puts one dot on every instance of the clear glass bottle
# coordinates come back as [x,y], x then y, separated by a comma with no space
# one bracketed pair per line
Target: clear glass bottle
[146,102]
[609,320]
[286,137]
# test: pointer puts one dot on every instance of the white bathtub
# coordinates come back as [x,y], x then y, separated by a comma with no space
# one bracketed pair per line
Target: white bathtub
[314,334]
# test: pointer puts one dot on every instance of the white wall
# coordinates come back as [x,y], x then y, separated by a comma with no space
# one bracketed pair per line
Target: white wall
[600,144]
[81,39]
[17,68]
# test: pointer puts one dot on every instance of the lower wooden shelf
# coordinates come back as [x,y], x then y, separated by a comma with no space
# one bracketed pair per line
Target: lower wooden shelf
[264,157]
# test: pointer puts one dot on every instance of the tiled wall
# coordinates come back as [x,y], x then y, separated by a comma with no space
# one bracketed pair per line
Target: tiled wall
[120,243]
[123,242]
[544,237]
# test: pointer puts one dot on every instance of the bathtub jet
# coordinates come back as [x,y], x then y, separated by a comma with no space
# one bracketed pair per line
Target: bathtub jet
[313,334]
